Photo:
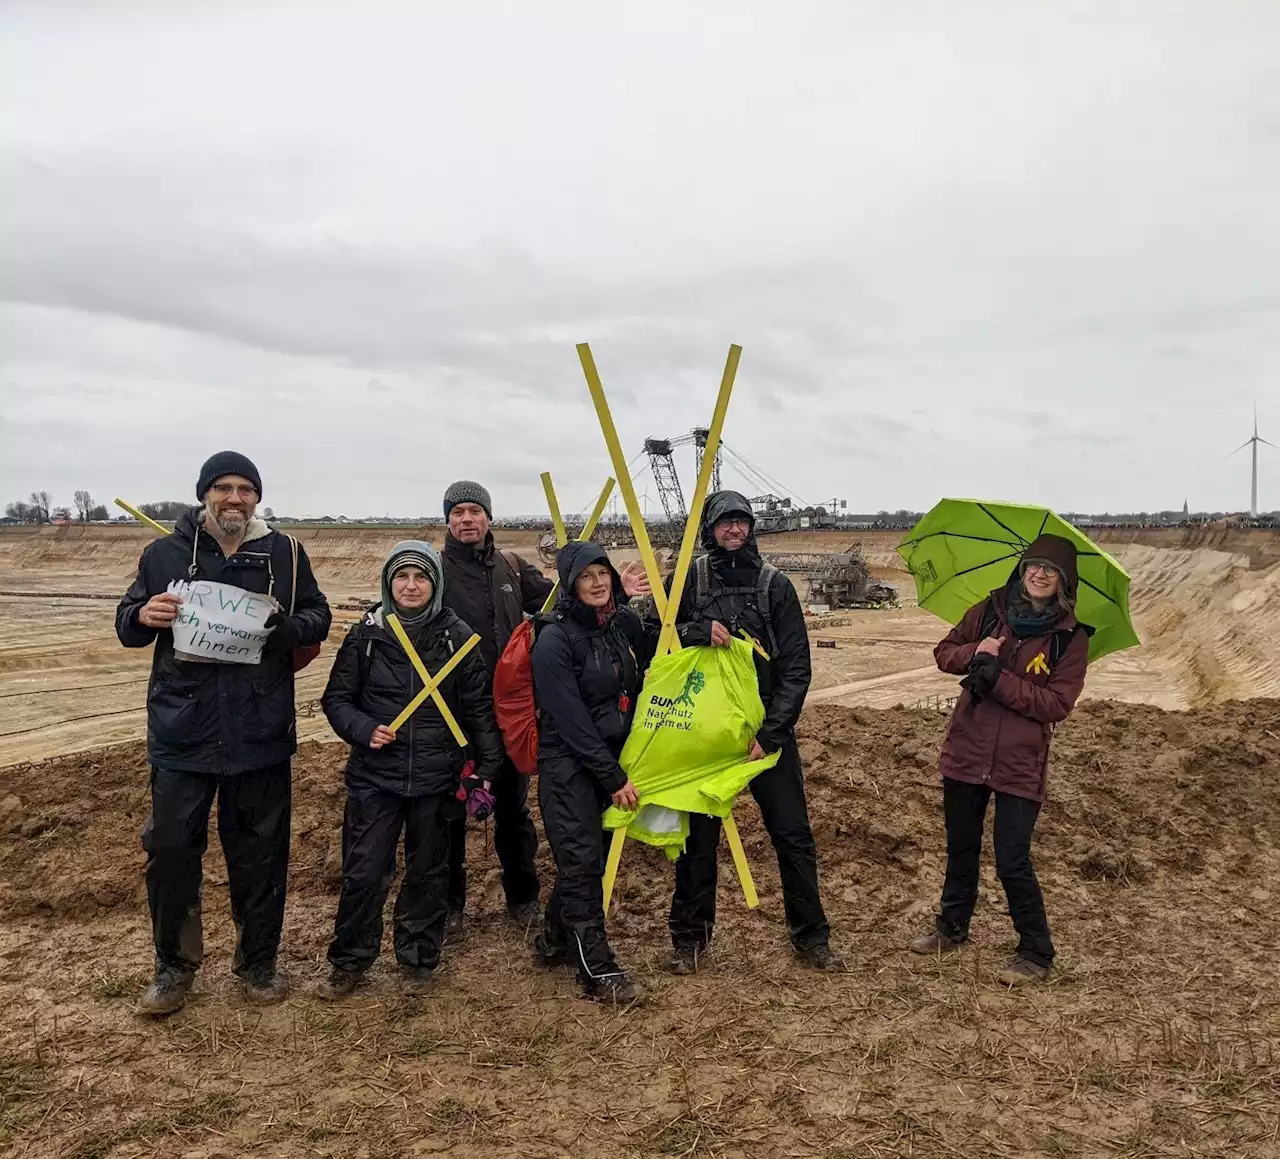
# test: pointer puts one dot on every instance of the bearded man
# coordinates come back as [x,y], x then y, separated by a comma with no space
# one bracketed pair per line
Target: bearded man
[220,730]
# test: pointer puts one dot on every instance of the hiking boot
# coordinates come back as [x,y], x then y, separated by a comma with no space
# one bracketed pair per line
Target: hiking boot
[1021,971]
[526,913]
[936,942]
[821,957]
[339,984]
[166,995]
[265,987]
[455,923]
[617,989]
[416,980]
[549,954]
[686,960]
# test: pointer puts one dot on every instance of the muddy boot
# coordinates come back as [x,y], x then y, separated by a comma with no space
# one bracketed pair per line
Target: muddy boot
[616,989]
[526,914]
[936,942]
[687,960]
[166,995]
[821,957]
[416,980]
[455,924]
[339,984]
[1021,971]
[265,987]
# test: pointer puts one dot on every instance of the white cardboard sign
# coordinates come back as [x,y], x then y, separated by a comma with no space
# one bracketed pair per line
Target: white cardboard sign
[220,623]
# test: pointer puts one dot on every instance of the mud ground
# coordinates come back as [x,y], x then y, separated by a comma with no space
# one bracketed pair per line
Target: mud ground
[1159,1035]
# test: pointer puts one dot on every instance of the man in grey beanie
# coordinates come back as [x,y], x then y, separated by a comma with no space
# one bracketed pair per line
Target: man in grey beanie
[491,590]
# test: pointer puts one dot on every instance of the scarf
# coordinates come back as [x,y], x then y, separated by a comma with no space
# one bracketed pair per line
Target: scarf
[1026,622]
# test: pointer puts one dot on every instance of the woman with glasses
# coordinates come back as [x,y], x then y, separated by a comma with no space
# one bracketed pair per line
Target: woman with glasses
[1023,656]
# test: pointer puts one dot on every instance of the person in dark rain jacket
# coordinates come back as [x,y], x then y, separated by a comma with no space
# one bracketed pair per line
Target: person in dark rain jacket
[224,730]
[731,590]
[588,661]
[492,590]
[406,781]
[1023,655]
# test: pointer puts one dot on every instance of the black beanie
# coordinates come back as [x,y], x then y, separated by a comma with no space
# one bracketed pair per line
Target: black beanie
[226,463]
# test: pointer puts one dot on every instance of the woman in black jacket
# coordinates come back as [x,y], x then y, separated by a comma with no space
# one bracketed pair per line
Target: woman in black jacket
[407,780]
[588,664]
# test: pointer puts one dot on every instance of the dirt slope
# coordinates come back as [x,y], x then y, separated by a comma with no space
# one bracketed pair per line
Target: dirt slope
[1159,856]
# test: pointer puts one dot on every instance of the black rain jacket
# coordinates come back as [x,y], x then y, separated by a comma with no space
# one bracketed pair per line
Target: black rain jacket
[373,680]
[785,677]
[221,718]
[484,588]
[587,676]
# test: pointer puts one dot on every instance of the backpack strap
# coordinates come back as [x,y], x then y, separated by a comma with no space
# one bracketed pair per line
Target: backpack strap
[1061,642]
[513,562]
[990,620]
[767,572]
[293,582]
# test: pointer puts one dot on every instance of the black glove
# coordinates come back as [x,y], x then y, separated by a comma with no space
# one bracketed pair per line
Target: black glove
[286,635]
[984,671]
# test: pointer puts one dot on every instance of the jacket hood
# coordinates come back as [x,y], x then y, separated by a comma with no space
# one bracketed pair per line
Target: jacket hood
[571,561]
[718,505]
[1060,552]
[414,551]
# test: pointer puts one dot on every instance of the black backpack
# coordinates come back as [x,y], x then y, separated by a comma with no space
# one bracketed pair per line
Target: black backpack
[757,596]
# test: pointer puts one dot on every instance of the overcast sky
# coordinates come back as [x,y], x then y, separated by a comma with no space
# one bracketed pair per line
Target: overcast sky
[1022,251]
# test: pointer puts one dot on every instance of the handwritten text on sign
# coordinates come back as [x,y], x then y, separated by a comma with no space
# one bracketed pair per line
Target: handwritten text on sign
[219,622]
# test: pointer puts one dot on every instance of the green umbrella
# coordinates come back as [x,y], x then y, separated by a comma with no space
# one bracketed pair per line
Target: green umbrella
[965,549]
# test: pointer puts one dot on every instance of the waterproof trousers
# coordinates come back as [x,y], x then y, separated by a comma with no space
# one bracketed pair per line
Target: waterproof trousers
[965,808]
[573,806]
[371,831]
[514,839]
[779,792]
[253,826]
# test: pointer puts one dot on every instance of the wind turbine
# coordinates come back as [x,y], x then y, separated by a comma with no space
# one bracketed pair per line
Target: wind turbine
[1253,442]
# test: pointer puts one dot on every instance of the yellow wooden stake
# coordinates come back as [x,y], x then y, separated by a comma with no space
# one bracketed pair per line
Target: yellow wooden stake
[667,640]
[557,521]
[740,863]
[160,527]
[588,530]
[430,684]
[619,461]
[611,866]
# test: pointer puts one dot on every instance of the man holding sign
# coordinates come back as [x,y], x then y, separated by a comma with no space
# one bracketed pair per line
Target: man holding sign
[220,721]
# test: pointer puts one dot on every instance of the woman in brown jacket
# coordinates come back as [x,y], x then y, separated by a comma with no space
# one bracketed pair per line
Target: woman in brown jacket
[1023,656]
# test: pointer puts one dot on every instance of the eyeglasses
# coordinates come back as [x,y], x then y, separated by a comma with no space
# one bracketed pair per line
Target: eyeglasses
[1045,569]
[741,521]
[225,490]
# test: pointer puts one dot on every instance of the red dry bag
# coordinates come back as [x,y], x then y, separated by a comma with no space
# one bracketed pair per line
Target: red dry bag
[513,700]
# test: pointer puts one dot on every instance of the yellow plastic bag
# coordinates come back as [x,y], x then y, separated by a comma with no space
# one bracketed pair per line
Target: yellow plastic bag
[697,715]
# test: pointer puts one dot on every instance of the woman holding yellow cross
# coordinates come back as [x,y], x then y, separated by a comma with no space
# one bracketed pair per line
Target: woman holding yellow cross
[1023,656]
[405,776]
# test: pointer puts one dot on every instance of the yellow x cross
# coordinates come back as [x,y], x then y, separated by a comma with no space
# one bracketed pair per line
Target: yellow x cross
[430,684]
[1039,665]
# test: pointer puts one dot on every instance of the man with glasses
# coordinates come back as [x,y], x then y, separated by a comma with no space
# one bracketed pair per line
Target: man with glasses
[733,592]
[220,729]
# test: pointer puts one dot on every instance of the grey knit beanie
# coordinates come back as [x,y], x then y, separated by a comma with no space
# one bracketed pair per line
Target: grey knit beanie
[465,491]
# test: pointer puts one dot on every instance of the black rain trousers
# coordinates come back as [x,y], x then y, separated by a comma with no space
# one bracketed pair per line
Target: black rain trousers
[253,825]
[371,831]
